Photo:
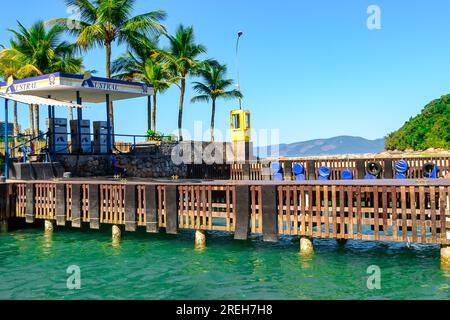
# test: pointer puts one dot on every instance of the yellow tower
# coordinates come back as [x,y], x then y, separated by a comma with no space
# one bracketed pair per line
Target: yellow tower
[240,121]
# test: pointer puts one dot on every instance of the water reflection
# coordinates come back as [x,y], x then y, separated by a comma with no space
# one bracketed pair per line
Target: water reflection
[47,242]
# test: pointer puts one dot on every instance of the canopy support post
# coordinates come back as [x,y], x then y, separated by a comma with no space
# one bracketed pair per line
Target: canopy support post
[108,126]
[6,140]
[79,118]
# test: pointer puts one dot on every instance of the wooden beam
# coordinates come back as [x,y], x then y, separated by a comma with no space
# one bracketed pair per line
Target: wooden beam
[242,213]
[171,206]
[30,209]
[269,208]
[94,209]
[61,205]
[151,209]
[130,208]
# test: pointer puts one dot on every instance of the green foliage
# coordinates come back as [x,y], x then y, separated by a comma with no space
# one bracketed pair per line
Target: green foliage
[429,129]
[154,136]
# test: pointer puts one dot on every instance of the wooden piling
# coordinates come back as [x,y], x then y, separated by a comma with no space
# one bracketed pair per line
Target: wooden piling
[171,206]
[94,208]
[242,212]
[269,209]
[151,209]
[311,169]
[288,170]
[60,205]
[30,209]
[76,206]
[130,208]
[360,169]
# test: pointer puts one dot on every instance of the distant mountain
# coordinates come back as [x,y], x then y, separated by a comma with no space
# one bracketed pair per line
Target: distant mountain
[324,147]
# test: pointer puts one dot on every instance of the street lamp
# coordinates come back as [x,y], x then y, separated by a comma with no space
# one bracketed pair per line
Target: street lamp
[239,35]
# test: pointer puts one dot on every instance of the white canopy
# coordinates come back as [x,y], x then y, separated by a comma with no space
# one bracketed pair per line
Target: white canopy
[26,99]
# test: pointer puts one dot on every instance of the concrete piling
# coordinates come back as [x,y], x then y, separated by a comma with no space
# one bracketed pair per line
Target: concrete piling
[306,246]
[200,239]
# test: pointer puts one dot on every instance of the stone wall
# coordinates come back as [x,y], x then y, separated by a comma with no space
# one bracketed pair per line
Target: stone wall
[148,161]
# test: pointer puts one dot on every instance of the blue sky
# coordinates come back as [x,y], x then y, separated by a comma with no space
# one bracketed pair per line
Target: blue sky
[309,68]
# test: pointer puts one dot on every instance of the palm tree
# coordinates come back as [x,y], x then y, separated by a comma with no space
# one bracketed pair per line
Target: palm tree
[105,22]
[141,64]
[183,56]
[214,86]
[37,51]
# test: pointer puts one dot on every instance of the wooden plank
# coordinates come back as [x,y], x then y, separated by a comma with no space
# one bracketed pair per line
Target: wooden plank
[376,211]
[412,201]
[94,209]
[269,211]
[423,231]
[288,224]
[318,212]
[433,213]
[341,224]
[359,213]
[350,233]
[334,209]
[60,204]
[394,213]
[302,210]
[242,213]
[442,199]
[295,198]
[404,218]
[130,208]
[309,204]
[30,207]
[384,199]
[171,209]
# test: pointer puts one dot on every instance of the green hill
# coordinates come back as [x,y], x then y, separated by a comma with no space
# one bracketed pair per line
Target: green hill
[429,129]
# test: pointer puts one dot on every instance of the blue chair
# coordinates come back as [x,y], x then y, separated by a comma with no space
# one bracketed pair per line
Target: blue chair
[401,169]
[324,173]
[347,174]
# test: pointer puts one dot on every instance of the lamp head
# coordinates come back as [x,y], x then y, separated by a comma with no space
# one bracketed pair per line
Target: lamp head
[240,33]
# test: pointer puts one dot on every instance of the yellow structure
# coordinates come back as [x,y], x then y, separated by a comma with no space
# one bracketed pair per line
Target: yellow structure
[240,126]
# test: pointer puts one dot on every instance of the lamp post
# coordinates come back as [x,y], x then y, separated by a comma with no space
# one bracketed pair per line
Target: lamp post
[239,35]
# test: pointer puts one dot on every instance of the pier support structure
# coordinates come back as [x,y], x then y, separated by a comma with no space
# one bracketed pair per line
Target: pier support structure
[48,226]
[306,246]
[445,257]
[3,226]
[116,233]
[200,239]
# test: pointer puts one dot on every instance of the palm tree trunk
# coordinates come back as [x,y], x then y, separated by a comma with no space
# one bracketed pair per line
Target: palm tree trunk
[149,113]
[36,119]
[70,113]
[108,75]
[180,108]
[16,123]
[154,113]
[213,116]
[31,119]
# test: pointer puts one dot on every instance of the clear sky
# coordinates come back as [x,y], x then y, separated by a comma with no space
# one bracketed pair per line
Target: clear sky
[309,68]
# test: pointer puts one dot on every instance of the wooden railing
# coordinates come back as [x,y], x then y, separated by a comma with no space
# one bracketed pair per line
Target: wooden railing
[386,210]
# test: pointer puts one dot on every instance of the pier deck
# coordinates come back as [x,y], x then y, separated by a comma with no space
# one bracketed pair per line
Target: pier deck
[413,211]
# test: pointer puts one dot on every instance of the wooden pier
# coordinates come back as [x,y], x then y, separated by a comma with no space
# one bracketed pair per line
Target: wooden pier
[413,211]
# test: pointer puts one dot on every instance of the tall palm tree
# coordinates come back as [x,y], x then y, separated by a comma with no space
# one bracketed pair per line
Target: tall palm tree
[183,56]
[105,22]
[37,51]
[141,63]
[214,86]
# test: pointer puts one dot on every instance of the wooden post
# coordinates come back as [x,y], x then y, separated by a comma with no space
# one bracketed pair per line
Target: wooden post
[30,210]
[151,209]
[130,208]
[3,208]
[76,206]
[269,208]
[94,209]
[246,171]
[360,169]
[288,170]
[266,174]
[171,209]
[60,205]
[242,213]
[311,169]
[388,170]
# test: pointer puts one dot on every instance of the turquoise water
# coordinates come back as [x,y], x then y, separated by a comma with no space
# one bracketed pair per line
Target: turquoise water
[33,266]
